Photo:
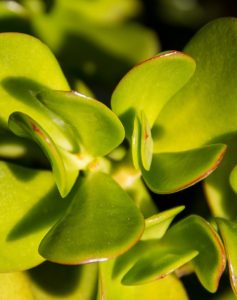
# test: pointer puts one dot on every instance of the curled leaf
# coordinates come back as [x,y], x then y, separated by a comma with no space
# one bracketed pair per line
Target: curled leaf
[86,116]
[65,171]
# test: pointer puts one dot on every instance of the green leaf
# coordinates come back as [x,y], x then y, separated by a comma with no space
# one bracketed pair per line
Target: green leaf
[220,195]
[15,286]
[27,66]
[110,287]
[29,206]
[102,11]
[65,171]
[157,263]
[205,109]
[86,116]
[191,240]
[171,172]
[154,81]
[54,282]
[146,142]
[101,223]
[157,225]
[197,234]
[228,231]
[136,143]
[89,48]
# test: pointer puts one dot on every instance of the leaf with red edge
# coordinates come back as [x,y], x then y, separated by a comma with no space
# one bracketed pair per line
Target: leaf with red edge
[64,170]
[171,172]
[102,222]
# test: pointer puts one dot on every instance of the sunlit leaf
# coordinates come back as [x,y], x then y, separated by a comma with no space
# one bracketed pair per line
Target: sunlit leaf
[110,287]
[195,233]
[191,240]
[156,225]
[175,171]
[29,206]
[149,86]
[204,109]
[15,286]
[157,263]
[101,223]
[65,171]
[136,143]
[25,72]
[86,116]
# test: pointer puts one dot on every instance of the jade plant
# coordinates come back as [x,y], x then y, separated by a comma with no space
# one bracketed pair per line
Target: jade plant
[77,177]
[86,36]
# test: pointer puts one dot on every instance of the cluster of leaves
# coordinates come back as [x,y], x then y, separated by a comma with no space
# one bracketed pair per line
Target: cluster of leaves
[86,36]
[92,209]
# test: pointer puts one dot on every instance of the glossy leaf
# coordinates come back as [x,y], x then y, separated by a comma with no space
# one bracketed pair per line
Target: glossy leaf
[86,116]
[65,171]
[154,81]
[193,233]
[15,286]
[157,225]
[191,240]
[208,101]
[25,72]
[136,143]
[157,263]
[54,282]
[110,287]
[171,172]
[111,225]
[228,231]
[146,143]
[29,206]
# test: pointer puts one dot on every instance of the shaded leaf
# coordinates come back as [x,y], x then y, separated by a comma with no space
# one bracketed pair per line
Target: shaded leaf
[228,231]
[29,206]
[54,282]
[171,172]
[102,11]
[220,195]
[146,143]
[65,171]
[111,225]
[89,48]
[136,143]
[86,116]
[25,72]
